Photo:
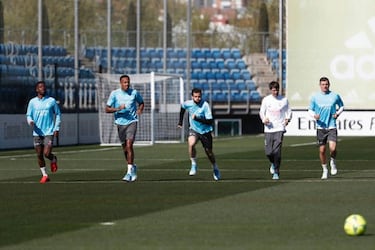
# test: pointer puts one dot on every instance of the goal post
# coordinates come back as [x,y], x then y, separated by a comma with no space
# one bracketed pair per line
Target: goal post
[162,95]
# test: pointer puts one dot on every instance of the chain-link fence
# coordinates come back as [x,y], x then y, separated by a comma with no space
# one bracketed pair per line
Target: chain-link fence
[19,60]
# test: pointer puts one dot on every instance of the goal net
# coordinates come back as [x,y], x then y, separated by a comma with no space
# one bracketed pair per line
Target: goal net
[162,95]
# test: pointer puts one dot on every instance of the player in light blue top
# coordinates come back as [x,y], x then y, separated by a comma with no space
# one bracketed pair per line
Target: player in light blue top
[123,103]
[325,107]
[44,116]
[200,128]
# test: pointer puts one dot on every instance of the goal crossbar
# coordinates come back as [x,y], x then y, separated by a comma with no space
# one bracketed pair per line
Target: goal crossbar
[162,94]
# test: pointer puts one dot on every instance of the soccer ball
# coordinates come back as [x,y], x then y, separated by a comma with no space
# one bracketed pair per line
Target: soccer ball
[355,224]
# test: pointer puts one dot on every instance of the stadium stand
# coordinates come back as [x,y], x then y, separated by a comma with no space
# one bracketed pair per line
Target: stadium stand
[222,73]
[273,57]
[262,72]
[209,66]
[19,73]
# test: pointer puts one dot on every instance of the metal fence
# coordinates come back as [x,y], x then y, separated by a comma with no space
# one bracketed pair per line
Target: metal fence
[17,78]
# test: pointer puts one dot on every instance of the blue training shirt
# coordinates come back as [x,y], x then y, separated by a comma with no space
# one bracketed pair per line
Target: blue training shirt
[46,115]
[201,110]
[326,105]
[130,98]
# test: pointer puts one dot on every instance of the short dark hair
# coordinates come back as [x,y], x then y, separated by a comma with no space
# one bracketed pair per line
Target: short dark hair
[196,90]
[324,79]
[39,82]
[274,84]
[123,76]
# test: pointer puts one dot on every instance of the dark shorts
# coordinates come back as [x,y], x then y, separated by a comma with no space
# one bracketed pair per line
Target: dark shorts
[206,139]
[43,140]
[127,132]
[324,135]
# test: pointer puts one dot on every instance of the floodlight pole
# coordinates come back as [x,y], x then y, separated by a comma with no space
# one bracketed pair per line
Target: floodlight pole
[281,45]
[188,48]
[40,34]
[165,50]
[76,65]
[138,36]
[165,36]
[109,37]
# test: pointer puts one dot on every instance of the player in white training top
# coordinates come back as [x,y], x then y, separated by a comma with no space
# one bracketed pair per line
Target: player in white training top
[275,114]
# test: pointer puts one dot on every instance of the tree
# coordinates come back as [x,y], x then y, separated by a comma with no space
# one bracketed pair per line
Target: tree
[45,26]
[169,30]
[263,19]
[131,26]
[1,23]
[263,26]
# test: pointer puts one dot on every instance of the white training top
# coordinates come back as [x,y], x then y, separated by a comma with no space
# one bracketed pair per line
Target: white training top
[277,110]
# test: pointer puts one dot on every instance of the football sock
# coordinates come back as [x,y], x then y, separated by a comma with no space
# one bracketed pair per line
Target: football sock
[324,166]
[193,161]
[333,161]
[130,167]
[51,157]
[43,170]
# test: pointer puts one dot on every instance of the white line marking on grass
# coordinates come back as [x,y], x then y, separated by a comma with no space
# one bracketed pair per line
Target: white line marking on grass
[107,223]
[185,170]
[302,144]
[184,159]
[291,160]
[315,180]
[13,157]
[306,144]
[121,159]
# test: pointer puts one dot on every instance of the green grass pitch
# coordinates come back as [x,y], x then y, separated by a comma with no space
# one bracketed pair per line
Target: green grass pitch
[87,205]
